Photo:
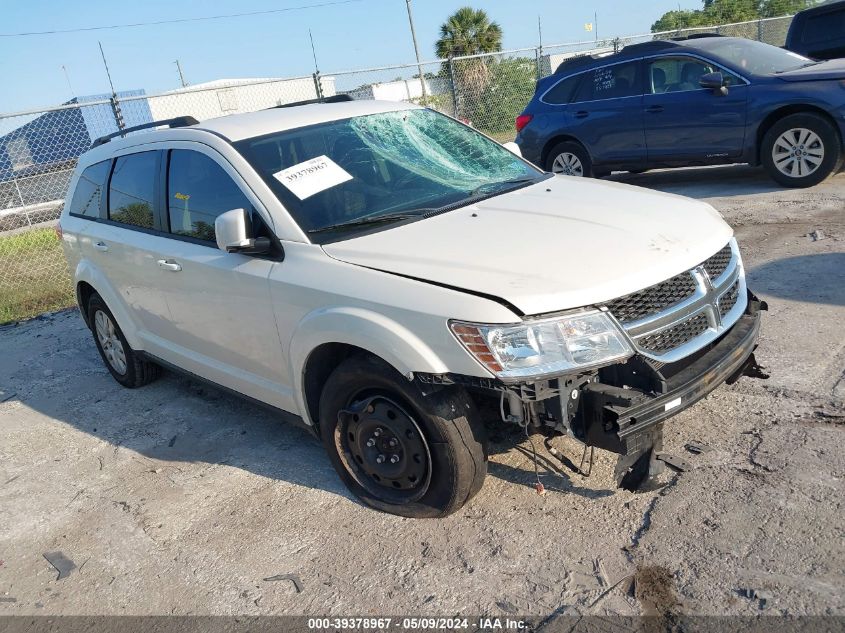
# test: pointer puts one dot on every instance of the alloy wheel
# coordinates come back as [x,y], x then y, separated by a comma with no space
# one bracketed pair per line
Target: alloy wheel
[110,341]
[568,164]
[798,152]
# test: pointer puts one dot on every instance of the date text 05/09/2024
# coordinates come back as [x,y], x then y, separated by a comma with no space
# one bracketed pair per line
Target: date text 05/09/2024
[429,623]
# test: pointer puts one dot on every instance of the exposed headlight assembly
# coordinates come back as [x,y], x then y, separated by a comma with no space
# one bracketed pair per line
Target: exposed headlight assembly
[547,347]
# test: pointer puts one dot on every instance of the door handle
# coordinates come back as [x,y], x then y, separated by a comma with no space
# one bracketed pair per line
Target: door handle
[582,114]
[170,265]
[101,246]
[655,109]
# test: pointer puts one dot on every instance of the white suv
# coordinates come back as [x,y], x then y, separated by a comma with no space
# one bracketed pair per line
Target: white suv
[392,279]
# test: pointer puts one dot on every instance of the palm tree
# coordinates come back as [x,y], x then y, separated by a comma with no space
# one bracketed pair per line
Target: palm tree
[468,32]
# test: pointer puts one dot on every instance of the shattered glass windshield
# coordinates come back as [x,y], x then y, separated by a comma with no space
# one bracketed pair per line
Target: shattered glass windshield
[342,176]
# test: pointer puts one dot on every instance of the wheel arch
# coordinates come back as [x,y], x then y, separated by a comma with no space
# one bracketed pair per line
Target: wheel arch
[90,280]
[84,290]
[324,339]
[776,115]
[559,138]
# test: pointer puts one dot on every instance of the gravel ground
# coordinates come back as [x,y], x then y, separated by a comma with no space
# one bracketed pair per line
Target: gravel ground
[178,499]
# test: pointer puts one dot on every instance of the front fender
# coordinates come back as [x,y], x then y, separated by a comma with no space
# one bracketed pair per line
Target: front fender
[90,274]
[368,330]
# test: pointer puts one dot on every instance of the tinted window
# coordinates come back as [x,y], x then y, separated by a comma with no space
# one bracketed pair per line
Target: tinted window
[609,82]
[563,91]
[89,190]
[132,189]
[824,27]
[679,74]
[198,190]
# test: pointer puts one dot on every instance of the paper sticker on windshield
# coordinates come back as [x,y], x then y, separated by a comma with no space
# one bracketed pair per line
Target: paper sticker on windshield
[312,176]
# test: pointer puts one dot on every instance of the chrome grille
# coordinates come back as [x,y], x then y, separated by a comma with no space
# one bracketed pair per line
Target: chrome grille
[718,263]
[677,317]
[728,300]
[675,336]
[653,299]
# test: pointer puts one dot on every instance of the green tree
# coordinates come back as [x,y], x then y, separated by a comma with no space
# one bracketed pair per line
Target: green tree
[510,86]
[468,31]
[716,12]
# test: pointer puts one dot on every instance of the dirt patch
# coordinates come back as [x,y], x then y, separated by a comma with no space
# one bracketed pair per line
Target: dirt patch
[654,588]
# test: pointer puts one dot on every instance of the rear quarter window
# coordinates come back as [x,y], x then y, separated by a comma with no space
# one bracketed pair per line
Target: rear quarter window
[562,92]
[89,190]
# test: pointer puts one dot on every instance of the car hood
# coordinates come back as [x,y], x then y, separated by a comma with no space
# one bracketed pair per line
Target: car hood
[832,69]
[562,243]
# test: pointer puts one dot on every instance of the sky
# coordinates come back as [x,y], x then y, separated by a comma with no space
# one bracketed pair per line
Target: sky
[360,34]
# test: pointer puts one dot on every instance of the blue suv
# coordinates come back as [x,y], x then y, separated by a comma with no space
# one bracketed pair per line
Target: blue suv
[701,101]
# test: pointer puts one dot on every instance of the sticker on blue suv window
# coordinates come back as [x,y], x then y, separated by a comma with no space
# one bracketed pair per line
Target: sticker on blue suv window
[312,176]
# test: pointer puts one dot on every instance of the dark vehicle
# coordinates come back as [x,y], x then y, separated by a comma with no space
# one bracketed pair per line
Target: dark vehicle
[819,32]
[701,101]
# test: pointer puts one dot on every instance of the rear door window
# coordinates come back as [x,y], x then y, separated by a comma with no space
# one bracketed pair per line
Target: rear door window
[198,190]
[610,82]
[132,190]
[89,190]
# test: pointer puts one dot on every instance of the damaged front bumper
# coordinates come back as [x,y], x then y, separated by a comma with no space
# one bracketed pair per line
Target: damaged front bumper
[621,408]
[629,421]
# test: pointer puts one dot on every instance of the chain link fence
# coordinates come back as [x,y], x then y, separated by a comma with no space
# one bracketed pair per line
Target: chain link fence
[39,148]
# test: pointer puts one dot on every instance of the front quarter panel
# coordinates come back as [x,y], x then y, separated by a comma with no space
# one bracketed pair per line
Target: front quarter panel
[319,300]
[768,95]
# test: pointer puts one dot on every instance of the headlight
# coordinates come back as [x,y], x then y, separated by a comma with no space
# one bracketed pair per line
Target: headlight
[545,347]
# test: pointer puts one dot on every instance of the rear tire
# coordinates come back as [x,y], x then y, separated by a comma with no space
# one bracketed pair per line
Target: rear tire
[396,449]
[123,363]
[801,150]
[570,159]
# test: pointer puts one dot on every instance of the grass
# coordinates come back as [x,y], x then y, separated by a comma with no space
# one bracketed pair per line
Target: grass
[34,276]
[503,137]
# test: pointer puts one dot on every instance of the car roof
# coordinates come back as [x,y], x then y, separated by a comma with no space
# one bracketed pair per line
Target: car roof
[634,51]
[236,127]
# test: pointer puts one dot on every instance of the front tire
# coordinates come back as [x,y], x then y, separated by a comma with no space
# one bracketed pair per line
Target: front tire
[396,449]
[123,363]
[570,159]
[801,150]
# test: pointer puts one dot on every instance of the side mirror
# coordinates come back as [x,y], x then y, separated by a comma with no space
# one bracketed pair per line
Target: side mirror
[233,230]
[512,147]
[715,82]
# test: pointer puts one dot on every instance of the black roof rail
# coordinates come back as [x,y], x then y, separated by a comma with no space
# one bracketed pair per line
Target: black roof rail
[179,121]
[579,61]
[332,99]
[695,36]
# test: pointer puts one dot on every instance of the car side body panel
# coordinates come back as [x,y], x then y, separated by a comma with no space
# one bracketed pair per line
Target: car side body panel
[733,134]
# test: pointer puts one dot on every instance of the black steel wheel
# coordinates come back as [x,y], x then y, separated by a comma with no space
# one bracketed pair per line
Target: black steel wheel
[396,448]
[384,449]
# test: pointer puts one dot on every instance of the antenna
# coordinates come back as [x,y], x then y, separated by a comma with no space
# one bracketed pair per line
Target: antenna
[540,31]
[314,52]
[181,76]
[115,106]
[67,78]
[106,64]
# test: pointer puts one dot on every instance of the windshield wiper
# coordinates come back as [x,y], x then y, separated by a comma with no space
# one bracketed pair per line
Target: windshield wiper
[514,181]
[376,219]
